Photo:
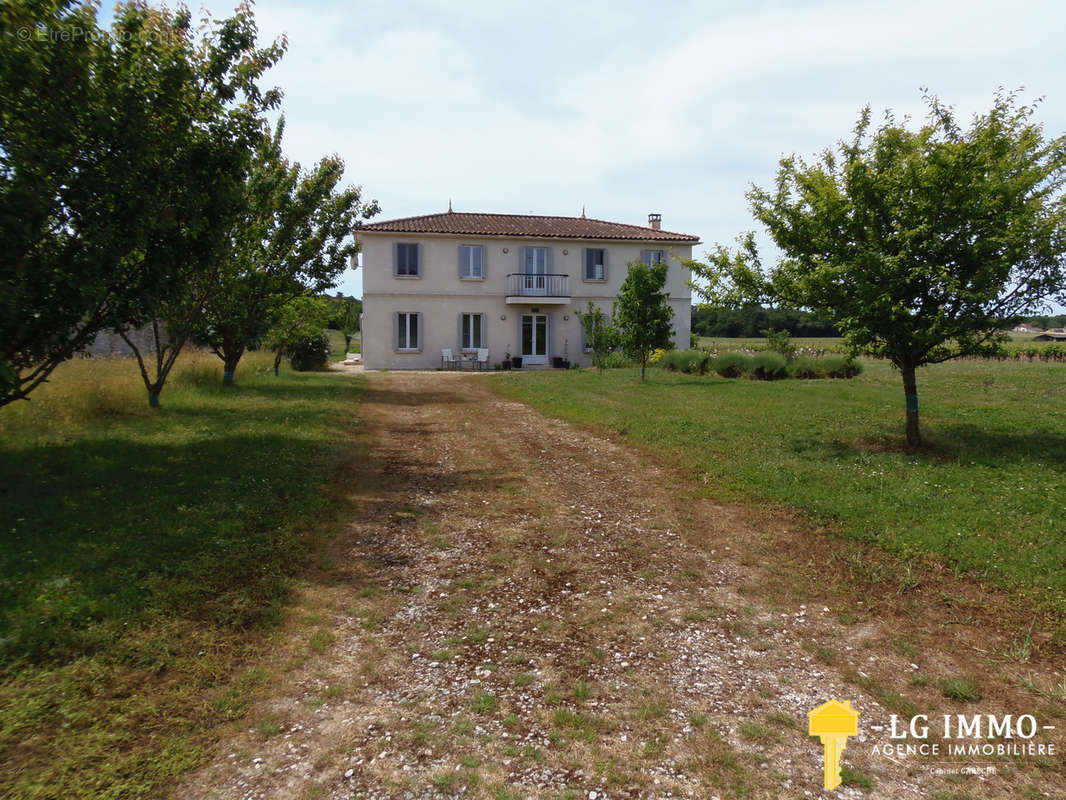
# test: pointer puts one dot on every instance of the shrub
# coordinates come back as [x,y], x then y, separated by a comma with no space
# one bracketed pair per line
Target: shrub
[780,342]
[617,359]
[805,367]
[732,365]
[838,367]
[687,361]
[656,355]
[769,366]
[310,353]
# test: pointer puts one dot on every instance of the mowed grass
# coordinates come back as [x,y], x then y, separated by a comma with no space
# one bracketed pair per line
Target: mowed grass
[985,497]
[145,553]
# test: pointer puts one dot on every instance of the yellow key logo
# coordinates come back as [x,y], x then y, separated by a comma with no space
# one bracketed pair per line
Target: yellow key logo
[833,722]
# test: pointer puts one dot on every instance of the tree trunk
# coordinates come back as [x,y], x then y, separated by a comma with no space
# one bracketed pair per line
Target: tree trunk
[910,391]
[230,361]
[165,356]
[277,362]
[643,362]
[348,343]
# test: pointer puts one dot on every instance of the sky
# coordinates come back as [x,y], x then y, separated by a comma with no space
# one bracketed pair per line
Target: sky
[626,108]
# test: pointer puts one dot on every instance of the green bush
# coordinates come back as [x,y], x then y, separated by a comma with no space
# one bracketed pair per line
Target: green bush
[617,359]
[310,353]
[769,366]
[839,367]
[732,365]
[805,367]
[687,361]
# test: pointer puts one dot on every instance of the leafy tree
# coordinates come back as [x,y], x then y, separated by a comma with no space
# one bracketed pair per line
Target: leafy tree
[920,246]
[601,337]
[780,342]
[117,159]
[643,313]
[298,320]
[348,320]
[294,237]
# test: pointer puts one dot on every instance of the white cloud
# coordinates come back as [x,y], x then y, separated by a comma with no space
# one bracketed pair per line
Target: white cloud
[628,107]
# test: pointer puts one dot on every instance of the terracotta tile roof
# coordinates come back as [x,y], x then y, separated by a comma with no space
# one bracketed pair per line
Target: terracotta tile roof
[523,225]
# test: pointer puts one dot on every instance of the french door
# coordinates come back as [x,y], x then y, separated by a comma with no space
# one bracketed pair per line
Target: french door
[534,338]
[534,271]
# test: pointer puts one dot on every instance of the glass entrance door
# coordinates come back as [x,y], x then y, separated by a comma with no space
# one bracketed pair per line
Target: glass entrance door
[534,338]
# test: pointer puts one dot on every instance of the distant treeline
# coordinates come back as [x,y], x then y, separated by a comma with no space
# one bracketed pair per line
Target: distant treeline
[1058,321]
[755,320]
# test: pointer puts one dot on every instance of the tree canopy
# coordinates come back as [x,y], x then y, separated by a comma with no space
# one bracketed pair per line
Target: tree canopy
[122,155]
[294,237]
[916,244]
[642,314]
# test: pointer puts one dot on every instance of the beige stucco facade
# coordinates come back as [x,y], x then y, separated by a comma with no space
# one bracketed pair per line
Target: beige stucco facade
[439,295]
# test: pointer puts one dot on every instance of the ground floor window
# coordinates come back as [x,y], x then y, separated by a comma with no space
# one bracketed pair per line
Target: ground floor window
[408,333]
[471,331]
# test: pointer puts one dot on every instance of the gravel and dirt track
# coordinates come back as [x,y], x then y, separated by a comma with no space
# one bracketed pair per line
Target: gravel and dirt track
[520,608]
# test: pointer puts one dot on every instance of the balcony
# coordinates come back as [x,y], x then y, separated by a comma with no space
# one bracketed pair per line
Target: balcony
[542,289]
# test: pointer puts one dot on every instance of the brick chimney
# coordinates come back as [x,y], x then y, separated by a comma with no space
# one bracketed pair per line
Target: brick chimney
[655,221]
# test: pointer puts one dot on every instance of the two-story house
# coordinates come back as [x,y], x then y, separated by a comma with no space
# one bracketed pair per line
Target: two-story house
[508,283]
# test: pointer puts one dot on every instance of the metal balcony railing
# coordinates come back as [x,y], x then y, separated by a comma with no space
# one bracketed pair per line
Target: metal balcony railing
[521,284]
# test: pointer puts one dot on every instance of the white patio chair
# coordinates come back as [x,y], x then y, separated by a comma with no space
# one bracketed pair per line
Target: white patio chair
[482,357]
[447,360]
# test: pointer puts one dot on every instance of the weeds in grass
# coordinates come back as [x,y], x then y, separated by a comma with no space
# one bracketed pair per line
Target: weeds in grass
[849,776]
[889,698]
[961,687]
[759,734]
[322,640]
[485,703]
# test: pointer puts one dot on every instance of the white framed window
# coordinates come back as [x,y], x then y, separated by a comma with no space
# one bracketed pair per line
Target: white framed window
[408,260]
[595,264]
[535,260]
[653,257]
[471,331]
[408,331]
[471,261]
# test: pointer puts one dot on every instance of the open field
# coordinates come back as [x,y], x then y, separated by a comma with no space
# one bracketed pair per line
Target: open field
[986,498]
[146,555]
[336,344]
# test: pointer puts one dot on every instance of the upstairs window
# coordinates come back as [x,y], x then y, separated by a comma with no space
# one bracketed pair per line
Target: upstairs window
[407,260]
[595,264]
[653,257]
[471,261]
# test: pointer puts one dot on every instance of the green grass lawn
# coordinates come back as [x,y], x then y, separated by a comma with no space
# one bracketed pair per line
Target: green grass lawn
[144,553]
[986,497]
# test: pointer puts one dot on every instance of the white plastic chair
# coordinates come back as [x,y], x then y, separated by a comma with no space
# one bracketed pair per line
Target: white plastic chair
[482,357]
[447,361]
